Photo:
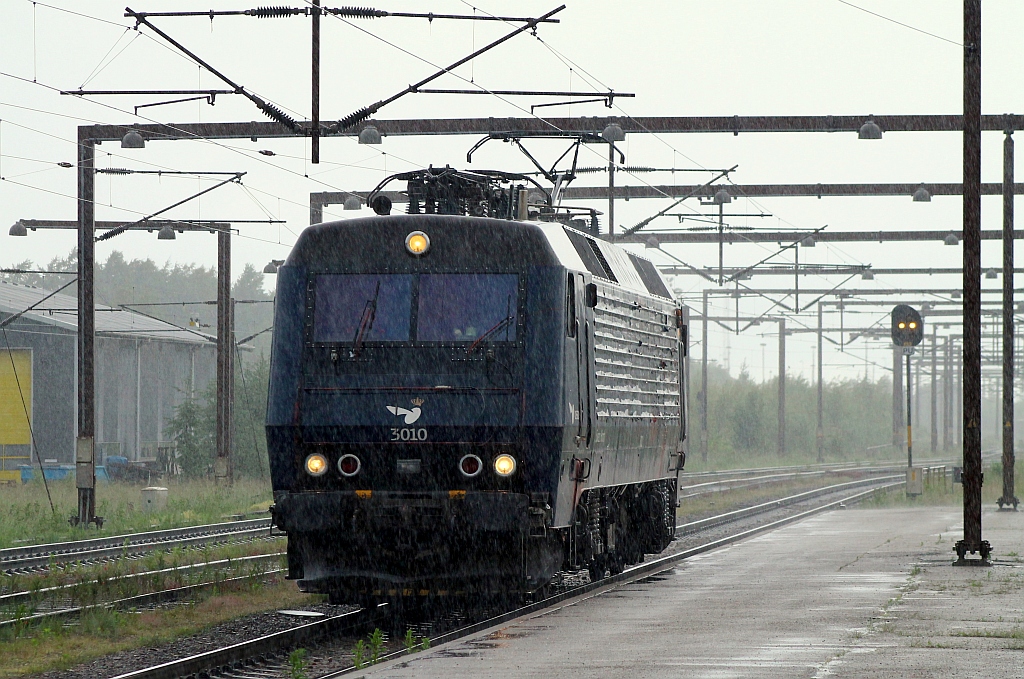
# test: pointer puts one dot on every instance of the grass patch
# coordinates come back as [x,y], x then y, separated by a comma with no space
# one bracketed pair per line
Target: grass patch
[43,649]
[25,515]
[941,494]
[1015,633]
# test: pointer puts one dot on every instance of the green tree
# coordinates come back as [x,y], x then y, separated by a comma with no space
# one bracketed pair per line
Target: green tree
[194,425]
[252,377]
[193,428]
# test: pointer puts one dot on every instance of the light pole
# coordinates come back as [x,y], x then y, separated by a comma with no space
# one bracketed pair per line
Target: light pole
[611,134]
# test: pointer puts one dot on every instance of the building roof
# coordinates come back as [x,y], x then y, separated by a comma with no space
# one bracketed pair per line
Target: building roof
[61,311]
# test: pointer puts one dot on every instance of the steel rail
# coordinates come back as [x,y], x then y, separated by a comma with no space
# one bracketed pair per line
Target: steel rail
[136,601]
[837,466]
[33,556]
[739,483]
[16,598]
[262,646]
[746,480]
[747,512]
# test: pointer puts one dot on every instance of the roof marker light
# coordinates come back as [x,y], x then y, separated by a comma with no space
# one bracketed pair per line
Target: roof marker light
[417,243]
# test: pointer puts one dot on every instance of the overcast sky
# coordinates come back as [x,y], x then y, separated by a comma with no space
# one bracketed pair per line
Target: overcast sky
[683,57]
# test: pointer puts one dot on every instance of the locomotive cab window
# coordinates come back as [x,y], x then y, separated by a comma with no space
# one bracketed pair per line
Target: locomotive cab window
[358,308]
[368,307]
[467,307]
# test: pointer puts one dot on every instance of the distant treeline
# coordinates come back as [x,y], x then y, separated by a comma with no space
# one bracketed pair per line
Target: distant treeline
[743,417]
[142,281]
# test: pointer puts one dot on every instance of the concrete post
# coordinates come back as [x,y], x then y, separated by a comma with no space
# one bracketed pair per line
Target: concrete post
[85,445]
[898,431]
[782,388]
[225,355]
[821,393]
[704,381]
[1008,499]
[935,392]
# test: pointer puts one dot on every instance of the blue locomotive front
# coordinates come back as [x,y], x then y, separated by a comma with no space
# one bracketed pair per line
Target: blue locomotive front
[467,405]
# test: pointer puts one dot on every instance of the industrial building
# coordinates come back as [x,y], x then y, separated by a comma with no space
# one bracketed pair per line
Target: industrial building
[144,368]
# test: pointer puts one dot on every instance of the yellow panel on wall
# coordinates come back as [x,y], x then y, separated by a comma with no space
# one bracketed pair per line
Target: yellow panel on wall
[14,427]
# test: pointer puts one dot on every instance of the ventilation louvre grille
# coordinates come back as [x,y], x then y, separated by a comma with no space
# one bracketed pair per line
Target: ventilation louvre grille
[604,262]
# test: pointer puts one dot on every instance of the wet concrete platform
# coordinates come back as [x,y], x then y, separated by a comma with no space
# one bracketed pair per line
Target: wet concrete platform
[849,593]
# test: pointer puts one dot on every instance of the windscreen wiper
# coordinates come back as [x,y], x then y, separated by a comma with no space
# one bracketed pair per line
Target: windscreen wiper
[497,327]
[366,321]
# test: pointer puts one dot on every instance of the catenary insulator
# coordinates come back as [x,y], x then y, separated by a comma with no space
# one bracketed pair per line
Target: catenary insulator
[353,118]
[273,12]
[280,116]
[356,12]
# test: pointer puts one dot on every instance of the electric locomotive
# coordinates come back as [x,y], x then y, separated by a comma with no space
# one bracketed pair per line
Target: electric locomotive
[469,404]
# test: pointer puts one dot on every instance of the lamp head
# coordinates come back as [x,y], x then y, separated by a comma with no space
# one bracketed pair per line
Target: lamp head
[133,140]
[369,135]
[612,133]
[869,130]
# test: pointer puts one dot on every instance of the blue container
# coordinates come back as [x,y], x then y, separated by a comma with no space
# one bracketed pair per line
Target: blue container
[58,473]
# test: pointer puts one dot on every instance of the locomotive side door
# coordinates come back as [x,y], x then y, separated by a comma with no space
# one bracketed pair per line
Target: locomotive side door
[577,393]
[575,374]
[683,316]
[589,300]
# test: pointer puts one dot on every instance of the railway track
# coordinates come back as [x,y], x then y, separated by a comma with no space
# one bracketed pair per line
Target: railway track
[57,602]
[38,558]
[267,656]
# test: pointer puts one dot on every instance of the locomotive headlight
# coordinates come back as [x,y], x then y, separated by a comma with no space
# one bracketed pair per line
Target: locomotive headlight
[417,243]
[504,465]
[316,464]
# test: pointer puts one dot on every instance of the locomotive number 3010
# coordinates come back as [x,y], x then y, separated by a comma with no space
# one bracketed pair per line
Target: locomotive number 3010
[408,434]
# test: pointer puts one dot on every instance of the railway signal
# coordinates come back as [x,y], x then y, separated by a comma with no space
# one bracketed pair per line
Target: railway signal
[907,326]
[907,332]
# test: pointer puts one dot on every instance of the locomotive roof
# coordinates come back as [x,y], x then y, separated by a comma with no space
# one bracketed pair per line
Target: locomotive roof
[371,243]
